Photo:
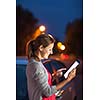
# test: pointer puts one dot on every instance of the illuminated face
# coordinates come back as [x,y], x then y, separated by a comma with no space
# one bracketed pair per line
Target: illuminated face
[47,51]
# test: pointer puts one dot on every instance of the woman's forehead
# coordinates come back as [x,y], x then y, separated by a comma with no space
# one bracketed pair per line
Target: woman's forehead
[50,45]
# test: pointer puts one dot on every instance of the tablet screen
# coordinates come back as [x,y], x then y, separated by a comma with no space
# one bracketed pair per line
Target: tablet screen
[74,65]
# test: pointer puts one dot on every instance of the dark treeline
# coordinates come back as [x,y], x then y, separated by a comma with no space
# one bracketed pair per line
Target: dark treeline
[74,37]
[25,26]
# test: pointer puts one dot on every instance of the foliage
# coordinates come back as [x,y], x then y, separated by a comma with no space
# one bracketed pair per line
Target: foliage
[25,27]
[74,37]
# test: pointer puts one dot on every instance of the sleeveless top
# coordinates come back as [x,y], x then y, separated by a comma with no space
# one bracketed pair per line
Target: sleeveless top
[52,97]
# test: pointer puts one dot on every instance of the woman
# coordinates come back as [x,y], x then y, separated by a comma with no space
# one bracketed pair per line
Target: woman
[39,80]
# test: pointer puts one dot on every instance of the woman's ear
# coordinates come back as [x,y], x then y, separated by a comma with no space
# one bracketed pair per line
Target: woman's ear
[41,47]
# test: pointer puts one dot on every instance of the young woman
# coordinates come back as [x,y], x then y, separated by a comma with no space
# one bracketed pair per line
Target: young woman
[39,80]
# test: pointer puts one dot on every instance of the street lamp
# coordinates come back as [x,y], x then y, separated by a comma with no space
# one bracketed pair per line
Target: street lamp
[61,46]
[40,30]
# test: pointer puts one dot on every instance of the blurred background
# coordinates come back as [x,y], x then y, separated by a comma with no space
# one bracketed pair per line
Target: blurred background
[62,19]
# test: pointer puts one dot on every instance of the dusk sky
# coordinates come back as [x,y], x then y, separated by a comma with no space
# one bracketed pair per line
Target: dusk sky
[54,14]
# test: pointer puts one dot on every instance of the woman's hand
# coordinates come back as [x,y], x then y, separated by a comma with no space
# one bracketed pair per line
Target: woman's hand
[59,72]
[71,75]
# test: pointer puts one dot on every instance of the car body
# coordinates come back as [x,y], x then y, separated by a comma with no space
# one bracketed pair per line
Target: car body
[51,65]
[21,84]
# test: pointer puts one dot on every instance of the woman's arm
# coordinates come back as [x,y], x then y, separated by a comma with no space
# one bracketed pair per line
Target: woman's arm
[57,74]
[71,75]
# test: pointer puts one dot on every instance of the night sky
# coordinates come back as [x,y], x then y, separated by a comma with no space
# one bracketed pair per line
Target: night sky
[54,14]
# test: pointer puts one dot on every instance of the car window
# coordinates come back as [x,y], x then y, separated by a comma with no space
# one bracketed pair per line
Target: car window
[57,64]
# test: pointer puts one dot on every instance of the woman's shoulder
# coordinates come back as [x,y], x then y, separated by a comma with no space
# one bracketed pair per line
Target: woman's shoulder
[34,64]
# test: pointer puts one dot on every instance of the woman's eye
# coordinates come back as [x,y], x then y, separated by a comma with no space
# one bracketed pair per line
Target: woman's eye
[49,49]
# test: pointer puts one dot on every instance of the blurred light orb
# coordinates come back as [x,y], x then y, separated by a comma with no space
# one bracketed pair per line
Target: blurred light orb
[59,44]
[42,28]
[62,47]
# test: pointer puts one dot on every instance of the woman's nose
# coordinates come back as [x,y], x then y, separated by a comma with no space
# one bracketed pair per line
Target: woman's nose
[51,52]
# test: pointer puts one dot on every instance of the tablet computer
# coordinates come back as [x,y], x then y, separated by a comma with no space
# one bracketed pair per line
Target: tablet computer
[74,65]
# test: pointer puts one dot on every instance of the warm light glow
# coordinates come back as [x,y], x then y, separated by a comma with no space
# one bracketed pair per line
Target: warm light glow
[42,33]
[36,34]
[62,47]
[59,44]
[64,56]
[42,28]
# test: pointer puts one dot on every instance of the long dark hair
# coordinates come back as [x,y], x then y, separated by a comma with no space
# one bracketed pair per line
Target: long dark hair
[33,45]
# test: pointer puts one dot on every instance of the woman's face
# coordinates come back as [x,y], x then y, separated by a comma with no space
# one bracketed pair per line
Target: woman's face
[47,51]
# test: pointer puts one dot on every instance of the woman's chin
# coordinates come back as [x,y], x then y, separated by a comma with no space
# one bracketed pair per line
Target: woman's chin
[45,57]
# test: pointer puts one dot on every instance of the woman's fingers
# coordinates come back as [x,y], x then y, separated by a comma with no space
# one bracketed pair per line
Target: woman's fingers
[73,71]
[72,74]
[62,69]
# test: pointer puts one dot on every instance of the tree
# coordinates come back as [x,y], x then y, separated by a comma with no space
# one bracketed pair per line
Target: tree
[74,37]
[25,27]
